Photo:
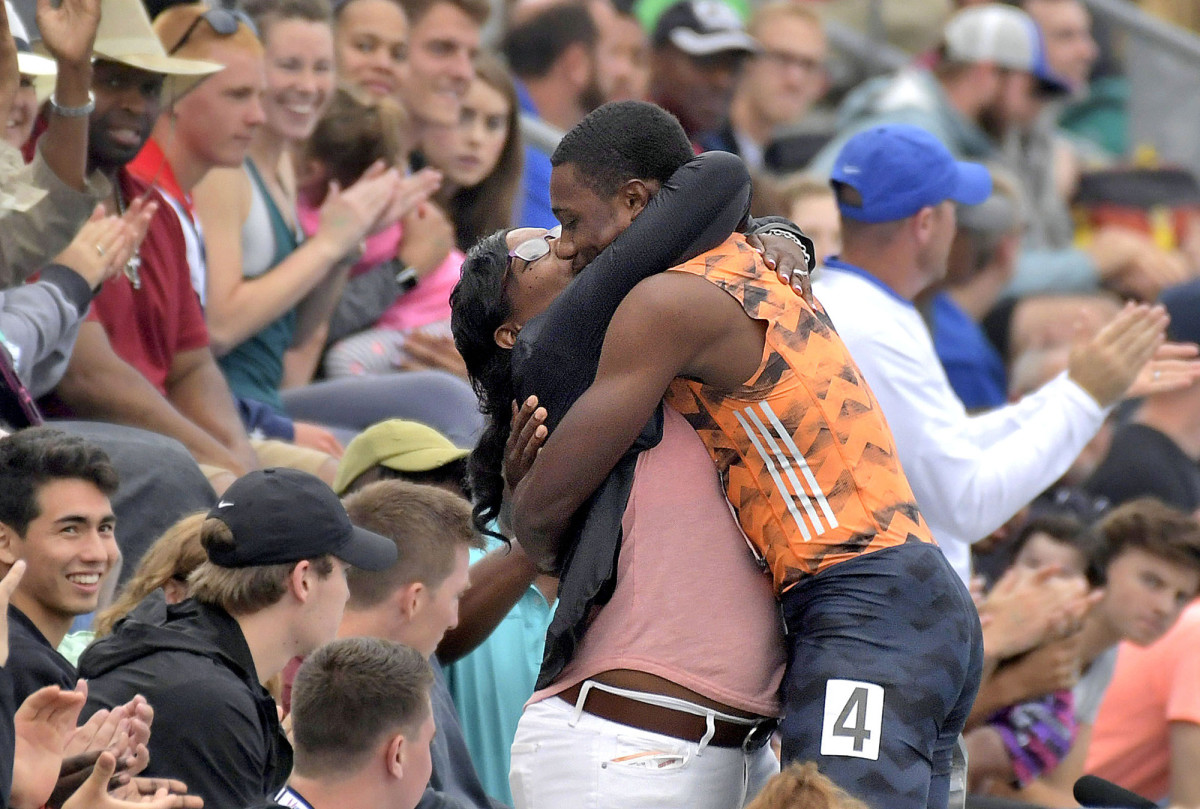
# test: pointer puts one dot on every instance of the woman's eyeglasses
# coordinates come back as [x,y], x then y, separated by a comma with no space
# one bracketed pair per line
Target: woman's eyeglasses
[224,22]
[531,250]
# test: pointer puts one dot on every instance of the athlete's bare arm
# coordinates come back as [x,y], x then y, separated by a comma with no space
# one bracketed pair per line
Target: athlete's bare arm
[674,324]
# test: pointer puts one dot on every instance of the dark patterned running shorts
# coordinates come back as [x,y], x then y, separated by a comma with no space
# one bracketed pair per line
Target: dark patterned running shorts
[885,654]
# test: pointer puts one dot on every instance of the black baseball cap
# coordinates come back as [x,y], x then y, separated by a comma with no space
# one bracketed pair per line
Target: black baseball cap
[704,27]
[279,516]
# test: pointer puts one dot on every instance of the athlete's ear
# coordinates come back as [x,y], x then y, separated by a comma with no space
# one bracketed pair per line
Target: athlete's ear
[506,334]
[635,196]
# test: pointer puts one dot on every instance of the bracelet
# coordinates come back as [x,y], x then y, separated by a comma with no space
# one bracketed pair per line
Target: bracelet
[74,112]
[792,237]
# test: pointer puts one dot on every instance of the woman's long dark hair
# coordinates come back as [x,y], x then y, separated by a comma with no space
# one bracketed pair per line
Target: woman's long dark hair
[479,306]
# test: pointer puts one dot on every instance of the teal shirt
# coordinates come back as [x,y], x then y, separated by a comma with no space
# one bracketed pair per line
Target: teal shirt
[254,368]
[491,685]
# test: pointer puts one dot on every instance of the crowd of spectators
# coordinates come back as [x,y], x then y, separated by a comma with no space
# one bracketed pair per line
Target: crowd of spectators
[258,546]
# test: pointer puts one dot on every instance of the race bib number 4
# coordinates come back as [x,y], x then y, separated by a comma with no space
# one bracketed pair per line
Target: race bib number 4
[853,719]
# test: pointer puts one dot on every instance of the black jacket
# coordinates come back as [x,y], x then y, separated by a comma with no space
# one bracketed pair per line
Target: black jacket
[32,661]
[215,727]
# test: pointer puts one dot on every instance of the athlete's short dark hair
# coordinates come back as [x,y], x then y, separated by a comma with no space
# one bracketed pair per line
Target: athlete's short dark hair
[33,457]
[622,141]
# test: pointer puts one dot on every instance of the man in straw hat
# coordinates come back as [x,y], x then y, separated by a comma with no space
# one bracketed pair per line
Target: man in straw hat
[162,375]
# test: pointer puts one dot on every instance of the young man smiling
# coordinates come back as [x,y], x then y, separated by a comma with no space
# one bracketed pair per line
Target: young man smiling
[443,41]
[55,515]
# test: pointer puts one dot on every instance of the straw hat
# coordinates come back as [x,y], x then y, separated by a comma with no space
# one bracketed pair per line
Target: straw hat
[126,36]
[28,62]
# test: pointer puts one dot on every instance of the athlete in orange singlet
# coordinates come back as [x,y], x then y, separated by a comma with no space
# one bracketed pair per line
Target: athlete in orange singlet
[884,643]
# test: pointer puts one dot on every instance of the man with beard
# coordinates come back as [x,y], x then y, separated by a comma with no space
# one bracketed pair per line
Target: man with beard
[143,355]
[988,54]
[699,50]
[551,50]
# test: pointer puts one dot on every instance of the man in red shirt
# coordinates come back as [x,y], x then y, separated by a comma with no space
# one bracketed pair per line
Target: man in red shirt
[143,356]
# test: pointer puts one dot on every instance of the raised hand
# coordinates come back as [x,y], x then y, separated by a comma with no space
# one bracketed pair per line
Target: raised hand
[69,29]
[409,192]
[7,586]
[124,731]
[101,247]
[792,262]
[1026,608]
[349,215]
[1107,364]
[137,218]
[1174,366]
[94,793]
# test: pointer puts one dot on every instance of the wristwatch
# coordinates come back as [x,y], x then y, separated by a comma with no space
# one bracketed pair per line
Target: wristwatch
[407,279]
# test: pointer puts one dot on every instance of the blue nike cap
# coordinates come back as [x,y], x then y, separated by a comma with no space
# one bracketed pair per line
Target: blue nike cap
[898,169]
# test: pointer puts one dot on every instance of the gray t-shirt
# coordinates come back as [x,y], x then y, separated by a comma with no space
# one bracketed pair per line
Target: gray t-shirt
[1089,691]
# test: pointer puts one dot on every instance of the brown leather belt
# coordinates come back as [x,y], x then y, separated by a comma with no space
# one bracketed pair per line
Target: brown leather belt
[669,722]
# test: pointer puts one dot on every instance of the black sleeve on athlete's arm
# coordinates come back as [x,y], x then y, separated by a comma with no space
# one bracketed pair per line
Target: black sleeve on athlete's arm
[704,201]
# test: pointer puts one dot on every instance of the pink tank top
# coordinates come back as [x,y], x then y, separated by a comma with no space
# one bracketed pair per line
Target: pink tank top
[690,605]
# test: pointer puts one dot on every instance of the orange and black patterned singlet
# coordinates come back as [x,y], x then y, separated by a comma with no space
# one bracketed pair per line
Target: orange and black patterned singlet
[803,449]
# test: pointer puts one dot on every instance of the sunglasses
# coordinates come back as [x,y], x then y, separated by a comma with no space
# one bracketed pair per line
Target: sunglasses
[224,22]
[531,250]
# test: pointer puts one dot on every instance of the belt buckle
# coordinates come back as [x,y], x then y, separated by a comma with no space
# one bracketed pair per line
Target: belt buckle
[759,735]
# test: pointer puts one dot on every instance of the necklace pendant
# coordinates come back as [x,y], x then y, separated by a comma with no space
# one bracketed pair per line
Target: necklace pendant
[133,271]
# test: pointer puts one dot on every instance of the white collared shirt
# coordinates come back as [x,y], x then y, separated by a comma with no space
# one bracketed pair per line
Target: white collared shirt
[970,474]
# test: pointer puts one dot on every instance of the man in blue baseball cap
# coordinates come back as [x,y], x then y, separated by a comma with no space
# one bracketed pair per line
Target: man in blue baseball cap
[897,188]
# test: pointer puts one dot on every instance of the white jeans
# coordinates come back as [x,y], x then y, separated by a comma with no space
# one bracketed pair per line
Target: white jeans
[598,764]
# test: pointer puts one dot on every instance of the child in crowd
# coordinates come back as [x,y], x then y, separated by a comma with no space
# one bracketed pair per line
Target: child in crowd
[1146,556]
[403,280]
